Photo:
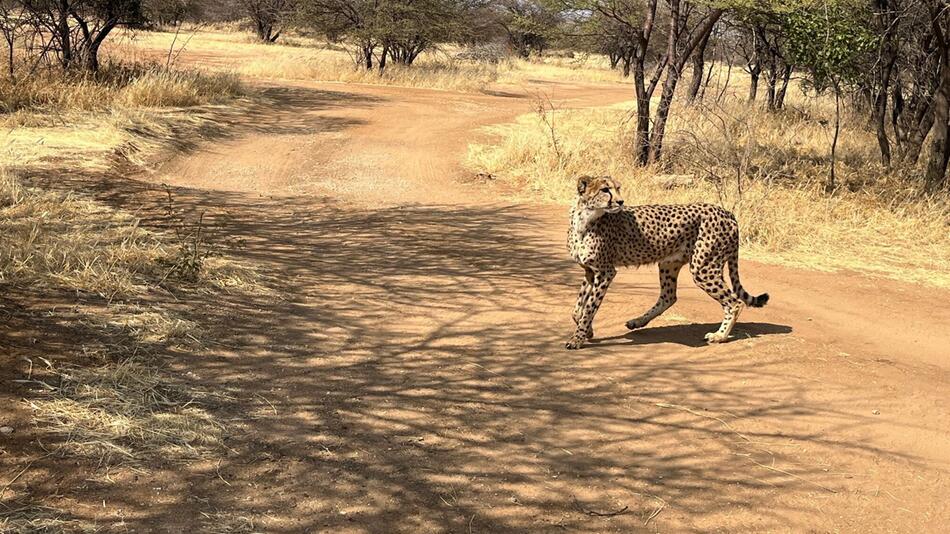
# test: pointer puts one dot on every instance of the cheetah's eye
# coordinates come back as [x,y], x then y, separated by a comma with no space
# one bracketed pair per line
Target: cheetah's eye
[605,190]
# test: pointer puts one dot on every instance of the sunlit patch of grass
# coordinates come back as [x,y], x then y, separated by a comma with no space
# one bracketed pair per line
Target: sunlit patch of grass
[116,86]
[62,240]
[123,411]
[303,58]
[428,72]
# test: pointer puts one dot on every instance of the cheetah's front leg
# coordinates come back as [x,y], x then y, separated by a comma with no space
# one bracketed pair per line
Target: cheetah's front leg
[582,298]
[598,289]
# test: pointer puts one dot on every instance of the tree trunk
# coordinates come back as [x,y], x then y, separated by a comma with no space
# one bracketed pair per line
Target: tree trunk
[90,58]
[754,73]
[880,111]
[936,176]
[699,61]
[382,58]
[10,58]
[63,35]
[662,115]
[897,108]
[915,141]
[615,60]
[830,186]
[643,113]
[783,88]
[771,79]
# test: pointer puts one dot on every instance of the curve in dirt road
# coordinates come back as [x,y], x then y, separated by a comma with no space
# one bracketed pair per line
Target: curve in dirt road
[414,374]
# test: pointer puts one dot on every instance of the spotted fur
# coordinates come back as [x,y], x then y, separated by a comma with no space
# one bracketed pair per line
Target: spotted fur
[605,234]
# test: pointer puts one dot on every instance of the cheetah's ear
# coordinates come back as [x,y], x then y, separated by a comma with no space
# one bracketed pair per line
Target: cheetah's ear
[582,183]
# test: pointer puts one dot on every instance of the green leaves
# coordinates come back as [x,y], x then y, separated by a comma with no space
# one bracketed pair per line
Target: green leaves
[829,37]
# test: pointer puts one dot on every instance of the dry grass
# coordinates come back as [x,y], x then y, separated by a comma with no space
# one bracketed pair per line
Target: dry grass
[768,168]
[117,85]
[122,407]
[123,411]
[429,72]
[590,68]
[62,240]
[303,58]
[41,519]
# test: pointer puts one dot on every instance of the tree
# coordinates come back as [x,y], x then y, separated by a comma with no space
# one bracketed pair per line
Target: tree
[682,40]
[269,16]
[172,12]
[12,21]
[77,28]
[760,35]
[936,177]
[827,37]
[527,23]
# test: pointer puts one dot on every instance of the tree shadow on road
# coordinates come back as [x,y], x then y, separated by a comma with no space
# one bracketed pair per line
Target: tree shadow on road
[409,377]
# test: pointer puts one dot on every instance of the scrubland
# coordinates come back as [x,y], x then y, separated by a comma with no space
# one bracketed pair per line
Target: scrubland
[769,167]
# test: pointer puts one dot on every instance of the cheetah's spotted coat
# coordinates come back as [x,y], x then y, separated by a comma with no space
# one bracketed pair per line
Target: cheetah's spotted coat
[604,234]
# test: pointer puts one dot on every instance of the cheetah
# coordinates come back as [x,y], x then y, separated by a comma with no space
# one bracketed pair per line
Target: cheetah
[605,234]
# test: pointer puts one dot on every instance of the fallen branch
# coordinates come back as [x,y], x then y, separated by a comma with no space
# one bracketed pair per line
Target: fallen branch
[595,513]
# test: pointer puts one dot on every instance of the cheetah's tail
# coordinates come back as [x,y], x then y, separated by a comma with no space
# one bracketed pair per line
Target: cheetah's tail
[744,296]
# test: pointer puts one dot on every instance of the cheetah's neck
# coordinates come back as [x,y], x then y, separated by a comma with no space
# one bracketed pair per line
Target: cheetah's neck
[582,218]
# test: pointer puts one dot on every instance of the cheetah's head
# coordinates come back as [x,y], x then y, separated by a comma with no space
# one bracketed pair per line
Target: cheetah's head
[599,194]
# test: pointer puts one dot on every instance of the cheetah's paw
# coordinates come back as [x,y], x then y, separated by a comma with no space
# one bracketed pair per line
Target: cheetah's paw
[716,337]
[633,324]
[575,342]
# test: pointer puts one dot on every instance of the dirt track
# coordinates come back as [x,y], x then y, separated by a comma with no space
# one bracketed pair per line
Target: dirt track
[413,379]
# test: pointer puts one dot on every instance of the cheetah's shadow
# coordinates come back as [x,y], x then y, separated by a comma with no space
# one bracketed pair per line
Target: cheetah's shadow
[690,335]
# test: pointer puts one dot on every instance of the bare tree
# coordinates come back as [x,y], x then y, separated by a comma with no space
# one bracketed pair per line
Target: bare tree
[12,21]
[268,16]
[77,28]
[682,41]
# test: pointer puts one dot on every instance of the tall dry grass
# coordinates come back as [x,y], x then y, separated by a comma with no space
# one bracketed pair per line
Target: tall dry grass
[117,85]
[429,72]
[768,168]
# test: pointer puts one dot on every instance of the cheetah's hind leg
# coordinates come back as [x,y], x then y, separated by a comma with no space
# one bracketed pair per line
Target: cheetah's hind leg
[709,277]
[669,272]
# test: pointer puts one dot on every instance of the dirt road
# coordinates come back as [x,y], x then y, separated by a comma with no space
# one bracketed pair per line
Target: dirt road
[412,377]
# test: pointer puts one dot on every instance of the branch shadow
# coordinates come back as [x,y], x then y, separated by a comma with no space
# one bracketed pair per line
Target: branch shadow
[409,377]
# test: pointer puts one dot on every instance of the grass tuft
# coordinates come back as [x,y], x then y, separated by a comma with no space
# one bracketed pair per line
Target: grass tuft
[124,411]
[116,85]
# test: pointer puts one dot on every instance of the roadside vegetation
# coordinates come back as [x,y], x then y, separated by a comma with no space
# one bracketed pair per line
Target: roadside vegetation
[447,67]
[769,168]
[79,270]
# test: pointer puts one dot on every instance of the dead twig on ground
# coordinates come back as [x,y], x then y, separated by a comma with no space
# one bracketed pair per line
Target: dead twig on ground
[793,475]
[687,409]
[6,486]
[595,513]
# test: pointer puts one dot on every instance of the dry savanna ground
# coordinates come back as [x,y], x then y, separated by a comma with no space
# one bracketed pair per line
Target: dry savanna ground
[249,288]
